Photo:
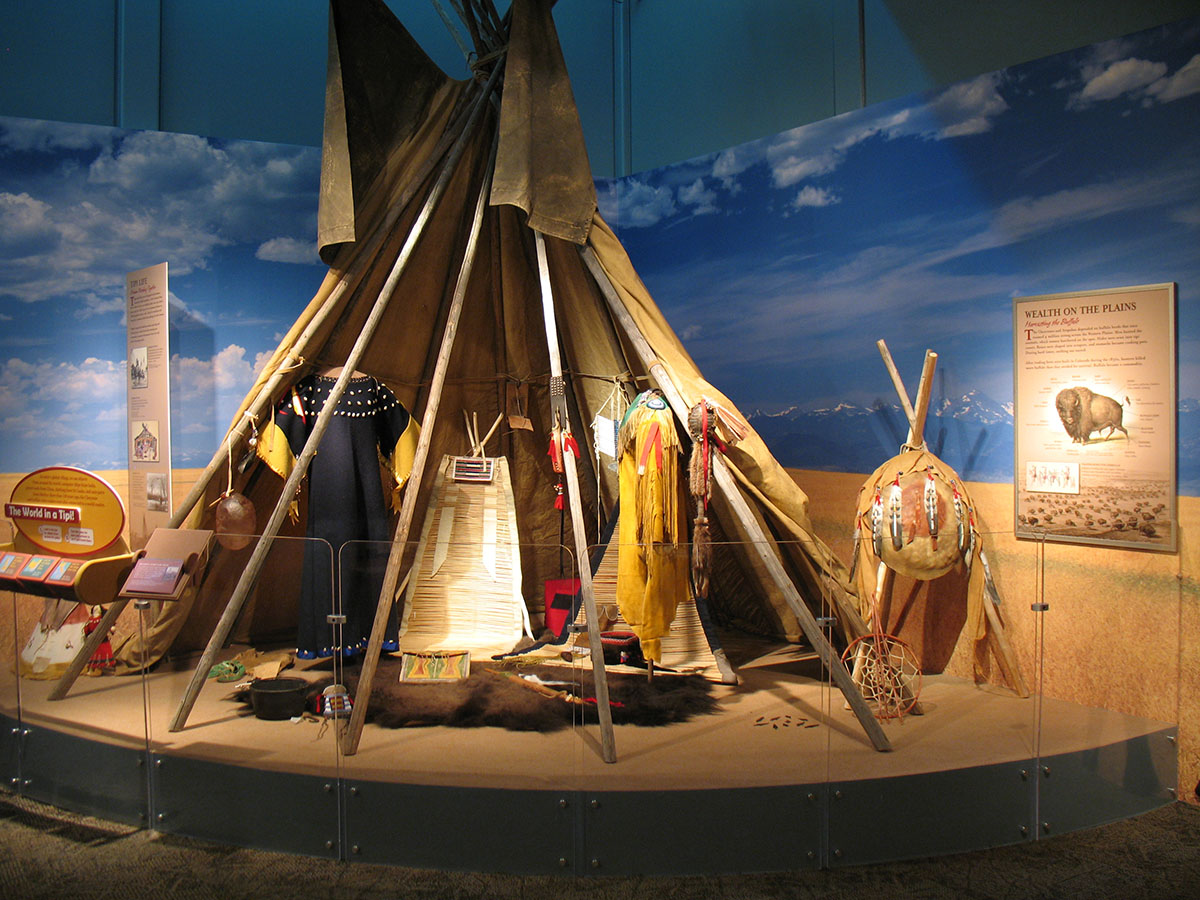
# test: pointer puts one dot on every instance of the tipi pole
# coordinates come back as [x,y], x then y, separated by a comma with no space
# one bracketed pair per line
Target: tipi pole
[741,509]
[916,416]
[258,557]
[387,593]
[575,499]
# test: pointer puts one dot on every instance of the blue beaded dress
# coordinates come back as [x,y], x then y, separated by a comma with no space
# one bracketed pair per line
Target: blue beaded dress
[347,507]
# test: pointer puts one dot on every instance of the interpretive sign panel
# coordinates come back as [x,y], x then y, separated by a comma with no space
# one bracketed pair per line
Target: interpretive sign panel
[66,511]
[149,393]
[1094,417]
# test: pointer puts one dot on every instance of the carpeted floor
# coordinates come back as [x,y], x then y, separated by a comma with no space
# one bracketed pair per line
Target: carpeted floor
[48,853]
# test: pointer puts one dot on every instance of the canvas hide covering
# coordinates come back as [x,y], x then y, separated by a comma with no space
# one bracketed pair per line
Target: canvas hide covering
[381,132]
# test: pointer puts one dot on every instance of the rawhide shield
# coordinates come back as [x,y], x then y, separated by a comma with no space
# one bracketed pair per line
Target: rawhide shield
[917,536]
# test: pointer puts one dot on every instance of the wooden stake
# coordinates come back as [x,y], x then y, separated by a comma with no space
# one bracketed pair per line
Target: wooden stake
[575,502]
[760,542]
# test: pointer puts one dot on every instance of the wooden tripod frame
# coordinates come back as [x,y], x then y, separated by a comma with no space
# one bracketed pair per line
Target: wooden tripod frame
[997,639]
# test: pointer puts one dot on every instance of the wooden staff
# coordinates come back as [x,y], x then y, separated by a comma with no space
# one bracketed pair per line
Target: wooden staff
[760,542]
[387,593]
[996,636]
[575,501]
[258,557]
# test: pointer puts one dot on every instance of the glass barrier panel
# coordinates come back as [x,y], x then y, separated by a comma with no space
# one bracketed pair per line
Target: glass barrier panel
[11,630]
[82,737]
[1111,663]
[715,715]
[233,724]
[474,710]
[942,667]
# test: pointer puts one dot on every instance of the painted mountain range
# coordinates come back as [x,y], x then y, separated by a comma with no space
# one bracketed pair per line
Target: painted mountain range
[973,433]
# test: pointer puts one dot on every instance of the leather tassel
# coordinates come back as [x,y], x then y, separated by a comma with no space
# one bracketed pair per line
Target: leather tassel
[701,556]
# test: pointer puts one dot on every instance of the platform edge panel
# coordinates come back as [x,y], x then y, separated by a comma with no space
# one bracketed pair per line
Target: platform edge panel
[878,820]
[597,833]
[10,764]
[1105,784]
[498,830]
[247,807]
[89,777]
[703,832]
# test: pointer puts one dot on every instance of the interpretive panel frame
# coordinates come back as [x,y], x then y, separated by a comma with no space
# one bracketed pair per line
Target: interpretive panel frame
[1094,417]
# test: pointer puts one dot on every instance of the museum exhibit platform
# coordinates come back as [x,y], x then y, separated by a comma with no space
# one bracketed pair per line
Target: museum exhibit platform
[779,776]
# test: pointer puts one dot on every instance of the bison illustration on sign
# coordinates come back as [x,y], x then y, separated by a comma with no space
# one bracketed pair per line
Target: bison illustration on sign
[1084,412]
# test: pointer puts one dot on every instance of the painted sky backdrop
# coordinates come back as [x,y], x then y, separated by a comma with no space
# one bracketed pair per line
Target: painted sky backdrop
[80,206]
[779,262]
[918,220]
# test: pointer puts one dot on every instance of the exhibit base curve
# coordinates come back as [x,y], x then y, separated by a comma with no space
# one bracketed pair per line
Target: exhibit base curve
[779,779]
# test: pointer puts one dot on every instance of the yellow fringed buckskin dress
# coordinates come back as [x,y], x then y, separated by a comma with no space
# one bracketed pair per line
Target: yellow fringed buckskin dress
[652,559]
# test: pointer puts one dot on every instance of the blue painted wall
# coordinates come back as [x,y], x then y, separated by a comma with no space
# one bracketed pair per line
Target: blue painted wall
[656,81]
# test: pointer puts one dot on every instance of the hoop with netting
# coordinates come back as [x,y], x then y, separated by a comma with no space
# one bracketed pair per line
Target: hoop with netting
[886,671]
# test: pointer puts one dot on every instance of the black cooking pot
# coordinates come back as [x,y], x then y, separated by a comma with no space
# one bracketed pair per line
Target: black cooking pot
[278,698]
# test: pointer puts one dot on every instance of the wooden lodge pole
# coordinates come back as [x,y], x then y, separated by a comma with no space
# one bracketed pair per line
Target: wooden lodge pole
[408,506]
[575,501]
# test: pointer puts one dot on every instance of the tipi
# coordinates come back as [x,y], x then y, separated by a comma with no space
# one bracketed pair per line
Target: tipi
[467,258]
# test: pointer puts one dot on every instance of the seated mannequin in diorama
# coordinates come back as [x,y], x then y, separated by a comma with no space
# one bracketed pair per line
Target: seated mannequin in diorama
[347,501]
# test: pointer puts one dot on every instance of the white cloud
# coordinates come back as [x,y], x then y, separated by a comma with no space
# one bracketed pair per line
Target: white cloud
[1183,83]
[146,197]
[639,205]
[55,413]
[25,226]
[184,316]
[731,163]
[804,153]
[969,107]
[287,250]
[1117,79]
[701,199]
[232,370]
[97,305]
[153,162]
[818,149]
[811,196]
[1027,216]
[45,407]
